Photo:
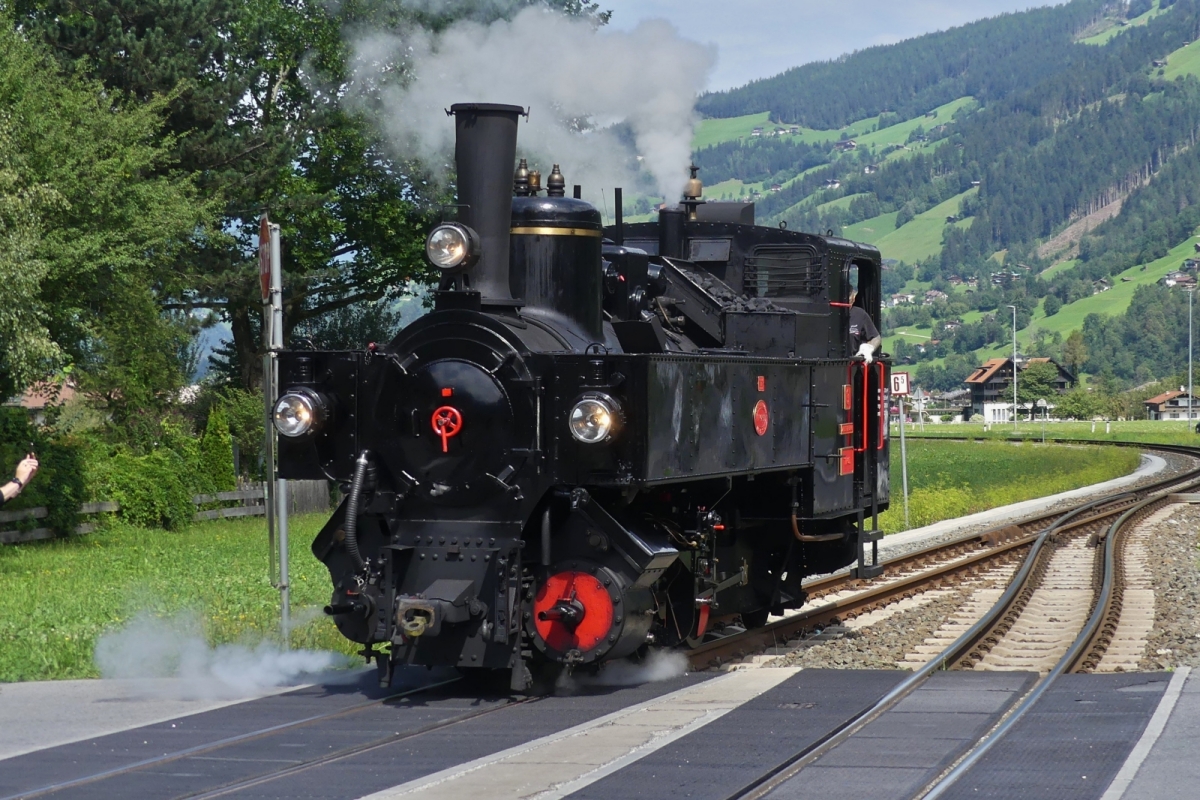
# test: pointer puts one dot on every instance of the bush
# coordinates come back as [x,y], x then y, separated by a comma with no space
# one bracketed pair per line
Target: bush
[216,454]
[150,489]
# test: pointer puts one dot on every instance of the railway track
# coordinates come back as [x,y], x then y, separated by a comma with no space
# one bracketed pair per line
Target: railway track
[842,595]
[1060,614]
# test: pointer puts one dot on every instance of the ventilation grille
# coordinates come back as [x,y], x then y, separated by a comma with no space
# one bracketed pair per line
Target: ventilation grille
[783,270]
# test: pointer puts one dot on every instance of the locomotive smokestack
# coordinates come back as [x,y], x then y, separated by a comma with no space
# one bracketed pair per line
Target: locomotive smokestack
[484,149]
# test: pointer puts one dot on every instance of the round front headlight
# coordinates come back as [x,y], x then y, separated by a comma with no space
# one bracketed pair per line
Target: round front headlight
[452,246]
[297,413]
[594,418]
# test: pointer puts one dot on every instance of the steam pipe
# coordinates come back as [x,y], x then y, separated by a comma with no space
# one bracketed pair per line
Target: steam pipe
[546,537]
[352,505]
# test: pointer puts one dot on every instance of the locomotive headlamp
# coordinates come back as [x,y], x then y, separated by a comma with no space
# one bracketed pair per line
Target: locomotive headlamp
[594,418]
[451,246]
[298,412]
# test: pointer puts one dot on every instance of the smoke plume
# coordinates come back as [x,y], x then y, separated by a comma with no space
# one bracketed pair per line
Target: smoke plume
[151,647]
[660,665]
[579,83]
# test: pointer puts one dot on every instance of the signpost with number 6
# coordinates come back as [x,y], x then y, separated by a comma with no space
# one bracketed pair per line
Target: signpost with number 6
[900,390]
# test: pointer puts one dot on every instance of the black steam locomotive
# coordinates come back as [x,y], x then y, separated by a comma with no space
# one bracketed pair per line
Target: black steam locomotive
[600,438]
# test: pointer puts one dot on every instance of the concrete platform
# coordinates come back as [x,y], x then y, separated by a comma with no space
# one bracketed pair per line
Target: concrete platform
[1164,765]
[411,736]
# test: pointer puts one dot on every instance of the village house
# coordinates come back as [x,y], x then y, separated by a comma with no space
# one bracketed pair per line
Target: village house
[848,144]
[1178,278]
[933,295]
[1102,285]
[40,397]
[902,299]
[1171,405]
[989,383]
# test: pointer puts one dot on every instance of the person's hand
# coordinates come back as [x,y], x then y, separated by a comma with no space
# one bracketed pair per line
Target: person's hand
[866,352]
[27,469]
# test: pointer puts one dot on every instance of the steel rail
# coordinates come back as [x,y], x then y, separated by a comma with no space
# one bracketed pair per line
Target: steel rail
[961,647]
[1075,653]
[738,645]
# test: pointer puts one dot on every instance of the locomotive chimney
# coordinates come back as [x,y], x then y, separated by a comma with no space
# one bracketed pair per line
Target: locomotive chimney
[484,149]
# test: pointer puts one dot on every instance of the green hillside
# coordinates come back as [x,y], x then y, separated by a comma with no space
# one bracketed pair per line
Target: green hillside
[1184,61]
[871,230]
[1067,113]
[921,238]
[1117,25]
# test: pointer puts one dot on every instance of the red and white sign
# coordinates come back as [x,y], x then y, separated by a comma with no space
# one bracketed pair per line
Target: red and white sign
[899,383]
[264,257]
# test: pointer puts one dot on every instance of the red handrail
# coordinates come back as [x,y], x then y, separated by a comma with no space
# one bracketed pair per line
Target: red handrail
[882,405]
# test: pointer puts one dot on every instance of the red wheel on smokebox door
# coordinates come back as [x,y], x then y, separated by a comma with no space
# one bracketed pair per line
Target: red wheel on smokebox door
[573,611]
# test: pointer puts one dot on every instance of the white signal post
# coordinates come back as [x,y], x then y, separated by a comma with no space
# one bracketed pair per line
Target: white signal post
[900,390]
[271,275]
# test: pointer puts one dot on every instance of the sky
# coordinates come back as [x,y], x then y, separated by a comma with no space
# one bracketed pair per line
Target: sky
[761,38]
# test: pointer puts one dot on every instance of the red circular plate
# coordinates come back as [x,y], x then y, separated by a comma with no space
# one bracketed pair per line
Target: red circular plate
[597,617]
[761,417]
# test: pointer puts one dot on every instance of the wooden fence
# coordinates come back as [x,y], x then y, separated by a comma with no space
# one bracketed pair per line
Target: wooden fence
[303,497]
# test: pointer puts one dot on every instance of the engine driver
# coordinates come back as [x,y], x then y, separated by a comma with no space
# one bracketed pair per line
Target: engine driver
[864,336]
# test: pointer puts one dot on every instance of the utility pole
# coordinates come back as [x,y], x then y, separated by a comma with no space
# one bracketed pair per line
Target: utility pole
[1014,310]
[1191,292]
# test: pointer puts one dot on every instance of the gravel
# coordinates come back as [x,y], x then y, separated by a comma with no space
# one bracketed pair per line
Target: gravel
[881,645]
[1174,562]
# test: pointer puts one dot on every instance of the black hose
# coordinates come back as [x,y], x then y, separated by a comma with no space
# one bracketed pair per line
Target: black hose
[352,505]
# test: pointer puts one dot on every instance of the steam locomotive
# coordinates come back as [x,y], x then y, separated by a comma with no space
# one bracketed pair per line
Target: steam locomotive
[600,438]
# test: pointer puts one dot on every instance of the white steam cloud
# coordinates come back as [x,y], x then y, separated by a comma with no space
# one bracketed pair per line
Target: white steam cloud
[153,648]
[660,665]
[565,72]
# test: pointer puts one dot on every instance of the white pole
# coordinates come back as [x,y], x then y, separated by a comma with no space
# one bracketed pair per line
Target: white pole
[268,387]
[1014,310]
[1190,293]
[281,492]
[903,461]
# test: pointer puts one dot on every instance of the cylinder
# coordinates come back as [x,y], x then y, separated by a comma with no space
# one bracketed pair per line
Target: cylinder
[556,259]
[485,148]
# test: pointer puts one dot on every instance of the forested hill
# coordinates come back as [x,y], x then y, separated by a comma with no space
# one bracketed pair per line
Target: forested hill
[988,60]
[1046,160]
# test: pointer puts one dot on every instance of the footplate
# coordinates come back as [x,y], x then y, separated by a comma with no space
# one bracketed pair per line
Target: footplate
[874,569]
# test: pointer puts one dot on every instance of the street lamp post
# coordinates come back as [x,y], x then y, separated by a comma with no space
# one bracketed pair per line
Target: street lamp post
[1191,292]
[1014,310]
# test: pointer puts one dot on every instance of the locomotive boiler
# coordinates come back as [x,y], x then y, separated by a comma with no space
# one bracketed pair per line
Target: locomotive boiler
[600,438]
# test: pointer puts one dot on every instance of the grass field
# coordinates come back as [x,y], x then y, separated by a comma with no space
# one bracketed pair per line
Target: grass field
[57,597]
[1165,432]
[952,479]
